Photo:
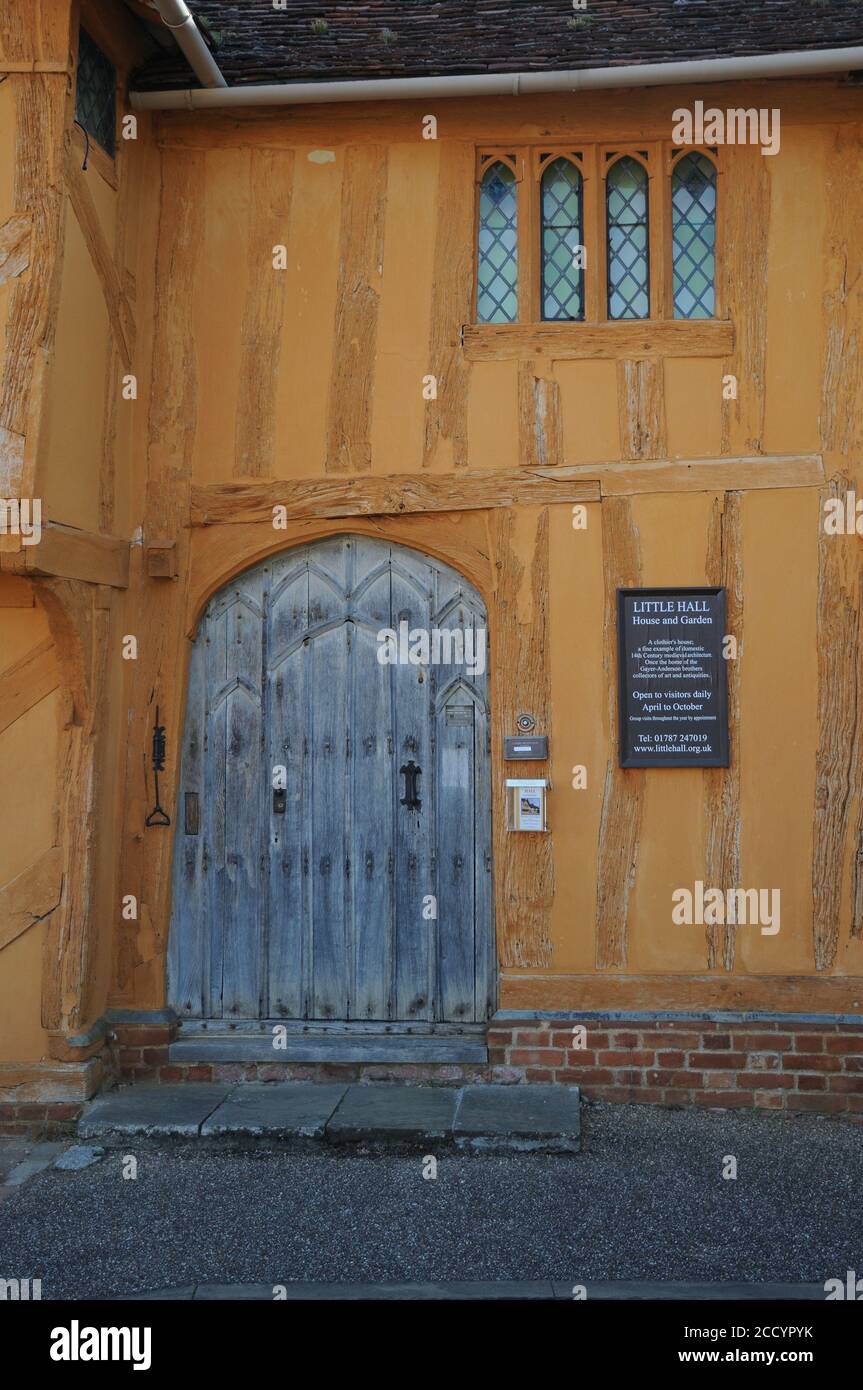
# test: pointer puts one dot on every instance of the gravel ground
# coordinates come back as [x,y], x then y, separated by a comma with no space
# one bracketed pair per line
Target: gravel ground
[645,1200]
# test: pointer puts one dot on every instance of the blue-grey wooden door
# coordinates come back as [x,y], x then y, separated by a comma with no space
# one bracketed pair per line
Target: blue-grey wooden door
[308,882]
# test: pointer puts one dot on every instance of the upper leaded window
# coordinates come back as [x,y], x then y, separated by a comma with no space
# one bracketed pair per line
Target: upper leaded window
[562,259]
[96,93]
[628,251]
[693,236]
[497,273]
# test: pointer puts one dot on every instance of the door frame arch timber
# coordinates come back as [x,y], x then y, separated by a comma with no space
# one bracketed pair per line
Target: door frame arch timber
[317,914]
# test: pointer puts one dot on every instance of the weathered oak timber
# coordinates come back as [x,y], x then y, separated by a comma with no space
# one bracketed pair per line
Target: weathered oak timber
[445,436]
[494,342]
[552,118]
[701,475]
[743,213]
[393,495]
[623,794]
[361,253]
[119,310]
[524,864]
[32,896]
[26,682]
[66,553]
[641,408]
[235,503]
[271,185]
[722,821]
[803,994]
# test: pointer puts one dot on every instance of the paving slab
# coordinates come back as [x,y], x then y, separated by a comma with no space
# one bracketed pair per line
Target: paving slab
[523,1119]
[153,1111]
[275,1109]
[393,1112]
[80,1156]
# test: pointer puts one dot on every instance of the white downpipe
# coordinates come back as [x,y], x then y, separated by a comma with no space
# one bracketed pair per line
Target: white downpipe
[808,64]
[177,17]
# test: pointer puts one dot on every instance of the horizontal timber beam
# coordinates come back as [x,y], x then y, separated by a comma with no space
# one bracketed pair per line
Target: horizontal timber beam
[394,495]
[703,475]
[222,504]
[63,552]
[495,342]
[805,994]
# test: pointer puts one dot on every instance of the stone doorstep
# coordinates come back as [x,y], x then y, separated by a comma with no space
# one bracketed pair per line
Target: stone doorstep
[310,1048]
[543,1119]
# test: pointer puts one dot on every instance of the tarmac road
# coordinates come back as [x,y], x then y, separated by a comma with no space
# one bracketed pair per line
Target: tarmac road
[645,1200]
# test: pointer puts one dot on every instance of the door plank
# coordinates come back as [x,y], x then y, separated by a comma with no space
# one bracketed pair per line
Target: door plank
[417,988]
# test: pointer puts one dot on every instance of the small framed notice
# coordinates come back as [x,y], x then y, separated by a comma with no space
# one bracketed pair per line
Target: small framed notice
[525,803]
[672,681]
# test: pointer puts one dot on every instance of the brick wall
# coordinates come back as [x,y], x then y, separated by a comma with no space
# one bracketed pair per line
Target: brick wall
[768,1063]
[771,1062]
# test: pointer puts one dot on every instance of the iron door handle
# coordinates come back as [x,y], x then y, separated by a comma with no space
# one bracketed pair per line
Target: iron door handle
[410,772]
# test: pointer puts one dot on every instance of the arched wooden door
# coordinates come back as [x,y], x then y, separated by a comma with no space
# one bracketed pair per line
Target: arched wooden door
[337,897]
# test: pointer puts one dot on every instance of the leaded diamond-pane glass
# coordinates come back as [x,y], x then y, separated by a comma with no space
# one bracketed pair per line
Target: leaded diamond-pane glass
[628,253]
[95,92]
[693,237]
[497,269]
[562,258]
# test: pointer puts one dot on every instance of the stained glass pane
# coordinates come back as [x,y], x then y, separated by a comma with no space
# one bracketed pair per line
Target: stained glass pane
[693,237]
[562,261]
[628,254]
[95,93]
[497,267]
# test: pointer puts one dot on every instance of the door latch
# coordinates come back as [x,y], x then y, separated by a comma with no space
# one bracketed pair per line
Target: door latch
[411,772]
[280,801]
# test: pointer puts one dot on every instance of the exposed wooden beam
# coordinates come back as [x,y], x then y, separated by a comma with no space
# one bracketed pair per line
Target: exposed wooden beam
[494,342]
[28,681]
[220,504]
[809,994]
[31,896]
[66,553]
[116,303]
[704,475]
[385,496]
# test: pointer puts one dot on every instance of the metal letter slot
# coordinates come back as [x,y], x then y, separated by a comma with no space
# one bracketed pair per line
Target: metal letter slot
[280,802]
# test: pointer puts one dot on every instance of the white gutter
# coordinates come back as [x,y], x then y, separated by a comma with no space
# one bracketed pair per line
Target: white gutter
[808,64]
[177,17]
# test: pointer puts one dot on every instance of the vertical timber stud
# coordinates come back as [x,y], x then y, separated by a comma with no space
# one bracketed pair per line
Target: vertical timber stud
[744,224]
[361,258]
[41,102]
[524,865]
[271,185]
[445,441]
[623,795]
[159,612]
[838,814]
[540,427]
[722,784]
[80,627]
[836,776]
[641,408]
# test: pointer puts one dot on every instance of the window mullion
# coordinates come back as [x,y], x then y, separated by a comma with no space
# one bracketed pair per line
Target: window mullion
[528,293]
[594,236]
[659,231]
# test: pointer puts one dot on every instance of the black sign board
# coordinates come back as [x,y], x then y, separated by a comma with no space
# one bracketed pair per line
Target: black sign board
[672,694]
